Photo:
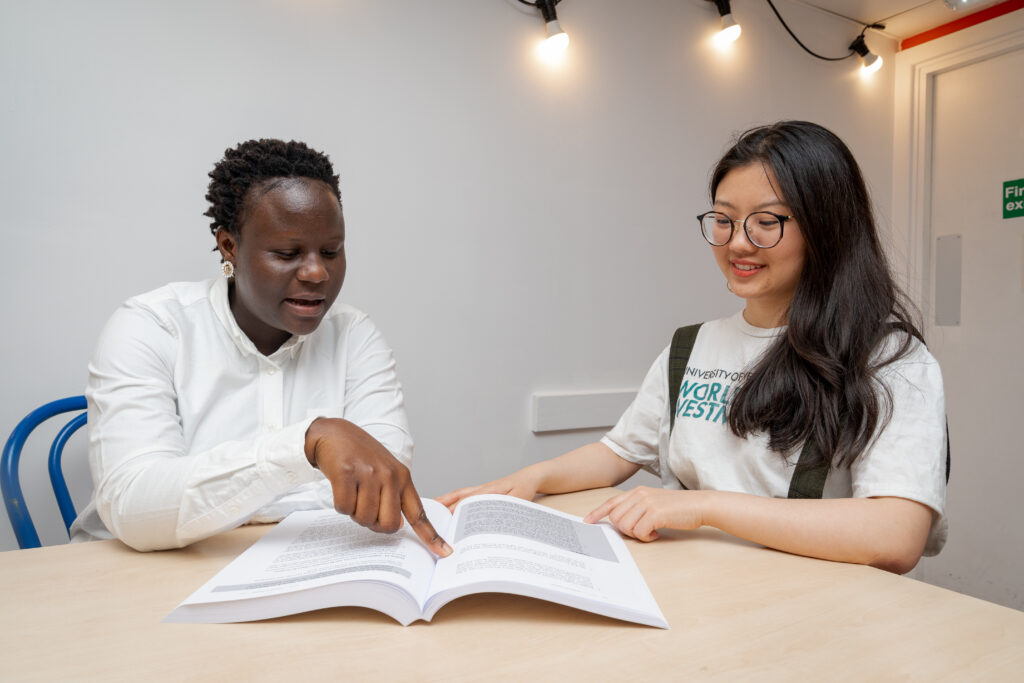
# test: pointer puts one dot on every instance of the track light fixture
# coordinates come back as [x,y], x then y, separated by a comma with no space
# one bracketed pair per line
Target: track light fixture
[557,40]
[870,62]
[730,29]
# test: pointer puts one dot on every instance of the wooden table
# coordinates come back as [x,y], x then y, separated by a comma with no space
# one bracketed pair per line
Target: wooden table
[92,611]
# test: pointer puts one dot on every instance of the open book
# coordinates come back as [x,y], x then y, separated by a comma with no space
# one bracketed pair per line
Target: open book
[319,559]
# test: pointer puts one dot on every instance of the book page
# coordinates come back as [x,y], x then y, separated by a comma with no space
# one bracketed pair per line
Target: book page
[510,545]
[320,547]
[505,516]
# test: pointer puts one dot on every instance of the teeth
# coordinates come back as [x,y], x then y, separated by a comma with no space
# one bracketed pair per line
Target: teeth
[745,267]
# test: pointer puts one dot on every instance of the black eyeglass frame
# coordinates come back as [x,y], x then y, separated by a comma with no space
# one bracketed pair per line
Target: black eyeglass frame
[782,227]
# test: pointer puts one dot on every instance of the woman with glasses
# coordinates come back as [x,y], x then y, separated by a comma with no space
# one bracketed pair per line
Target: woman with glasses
[811,421]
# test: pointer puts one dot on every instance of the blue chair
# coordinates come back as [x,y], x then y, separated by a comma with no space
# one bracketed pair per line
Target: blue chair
[24,530]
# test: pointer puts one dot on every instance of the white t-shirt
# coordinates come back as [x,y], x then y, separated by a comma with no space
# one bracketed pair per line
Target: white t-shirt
[906,460]
[193,431]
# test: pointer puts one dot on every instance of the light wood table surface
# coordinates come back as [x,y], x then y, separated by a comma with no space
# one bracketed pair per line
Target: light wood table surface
[92,611]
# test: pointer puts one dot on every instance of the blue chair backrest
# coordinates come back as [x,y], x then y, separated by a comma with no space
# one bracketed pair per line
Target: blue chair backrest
[24,530]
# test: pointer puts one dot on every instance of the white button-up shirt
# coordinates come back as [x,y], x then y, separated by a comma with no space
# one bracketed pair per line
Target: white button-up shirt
[193,431]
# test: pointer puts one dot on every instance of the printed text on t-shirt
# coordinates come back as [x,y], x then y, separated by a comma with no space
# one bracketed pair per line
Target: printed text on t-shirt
[706,400]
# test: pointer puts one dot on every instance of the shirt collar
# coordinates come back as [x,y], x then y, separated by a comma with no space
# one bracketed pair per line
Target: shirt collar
[222,309]
[751,331]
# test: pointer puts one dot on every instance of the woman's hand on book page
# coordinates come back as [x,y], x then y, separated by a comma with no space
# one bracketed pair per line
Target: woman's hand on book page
[368,482]
[640,512]
[521,484]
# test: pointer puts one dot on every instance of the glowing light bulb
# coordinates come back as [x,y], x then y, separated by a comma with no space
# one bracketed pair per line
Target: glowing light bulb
[730,30]
[872,63]
[552,49]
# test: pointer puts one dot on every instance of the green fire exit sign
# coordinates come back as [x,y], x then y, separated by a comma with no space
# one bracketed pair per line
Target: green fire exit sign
[1013,198]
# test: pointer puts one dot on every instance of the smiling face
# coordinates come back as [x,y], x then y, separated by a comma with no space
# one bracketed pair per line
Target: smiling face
[289,258]
[765,278]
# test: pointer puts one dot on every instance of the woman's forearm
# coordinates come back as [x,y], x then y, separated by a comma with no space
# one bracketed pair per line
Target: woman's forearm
[587,467]
[888,533]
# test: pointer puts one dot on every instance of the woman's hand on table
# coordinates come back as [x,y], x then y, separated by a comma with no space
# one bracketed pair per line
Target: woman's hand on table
[368,482]
[592,466]
[640,512]
[522,484]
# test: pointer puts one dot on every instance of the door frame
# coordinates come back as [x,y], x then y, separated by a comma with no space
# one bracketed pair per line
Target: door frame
[913,123]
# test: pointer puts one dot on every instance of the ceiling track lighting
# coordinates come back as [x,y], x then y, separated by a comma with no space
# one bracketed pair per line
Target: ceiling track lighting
[557,40]
[730,30]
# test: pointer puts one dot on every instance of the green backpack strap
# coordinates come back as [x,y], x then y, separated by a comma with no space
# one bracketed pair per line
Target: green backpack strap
[808,480]
[678,356]
[947,450]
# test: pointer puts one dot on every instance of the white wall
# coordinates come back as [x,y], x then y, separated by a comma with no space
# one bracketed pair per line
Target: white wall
[511,228]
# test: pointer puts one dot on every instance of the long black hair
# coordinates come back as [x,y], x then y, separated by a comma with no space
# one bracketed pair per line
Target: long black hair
[819,381]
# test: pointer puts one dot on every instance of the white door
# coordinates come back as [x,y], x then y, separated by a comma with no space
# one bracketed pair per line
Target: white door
[977,145]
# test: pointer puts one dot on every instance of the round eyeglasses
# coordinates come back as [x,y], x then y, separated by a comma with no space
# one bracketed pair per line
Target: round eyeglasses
[762,228]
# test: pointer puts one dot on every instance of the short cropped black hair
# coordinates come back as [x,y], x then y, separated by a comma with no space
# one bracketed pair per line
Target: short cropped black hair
[252,163]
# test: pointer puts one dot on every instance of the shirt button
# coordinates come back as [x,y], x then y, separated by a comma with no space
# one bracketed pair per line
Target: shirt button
[233,509]
[271,371]
[292,476]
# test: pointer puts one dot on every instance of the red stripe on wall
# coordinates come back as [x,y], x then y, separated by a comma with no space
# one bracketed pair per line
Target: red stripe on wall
[962,23]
